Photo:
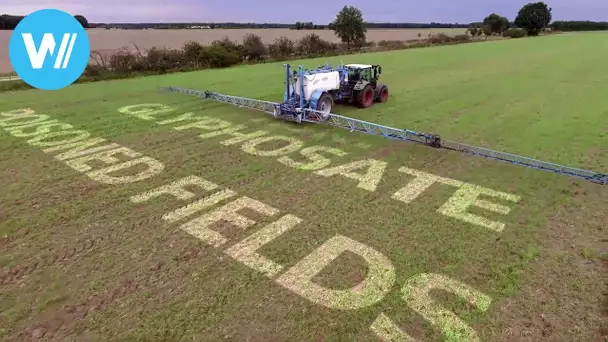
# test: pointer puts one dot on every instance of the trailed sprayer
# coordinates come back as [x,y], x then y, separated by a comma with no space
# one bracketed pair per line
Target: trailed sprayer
[310,96]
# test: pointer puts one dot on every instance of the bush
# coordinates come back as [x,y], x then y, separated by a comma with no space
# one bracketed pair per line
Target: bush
[440,38]
[367,44]
[163,60]
[253,47]
[123,62]
[230,46]
[313,45]
[391,44]
[193,53]
[462,37]
[282,48]
[419,43]
[218,56]
[514,33]
[13,86]
[487,30]
[94,70]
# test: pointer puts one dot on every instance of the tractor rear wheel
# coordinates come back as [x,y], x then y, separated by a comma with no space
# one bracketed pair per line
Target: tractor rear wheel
[324,105]
[381,93]
[365,97]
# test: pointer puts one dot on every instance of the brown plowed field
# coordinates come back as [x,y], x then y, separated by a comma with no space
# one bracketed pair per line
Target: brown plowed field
[108,40]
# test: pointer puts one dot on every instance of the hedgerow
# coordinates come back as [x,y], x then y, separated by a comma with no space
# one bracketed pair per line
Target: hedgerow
[225,53]
[514,33]
[131,61]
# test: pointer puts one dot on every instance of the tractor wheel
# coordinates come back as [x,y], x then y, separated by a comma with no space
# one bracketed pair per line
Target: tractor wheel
[381,93]
[325,104]
[365,97]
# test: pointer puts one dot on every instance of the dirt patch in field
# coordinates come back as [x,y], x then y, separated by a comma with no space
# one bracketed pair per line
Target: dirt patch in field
[564,296]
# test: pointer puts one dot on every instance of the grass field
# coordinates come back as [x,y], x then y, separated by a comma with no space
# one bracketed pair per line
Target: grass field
[181,230]
[108,41]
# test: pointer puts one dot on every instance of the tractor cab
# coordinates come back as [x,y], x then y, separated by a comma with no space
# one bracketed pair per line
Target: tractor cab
[363,72]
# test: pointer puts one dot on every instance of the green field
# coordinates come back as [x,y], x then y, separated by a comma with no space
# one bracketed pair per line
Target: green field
[314,233]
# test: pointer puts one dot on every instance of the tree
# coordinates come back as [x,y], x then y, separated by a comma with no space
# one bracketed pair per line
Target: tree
[349,26]
[82,20]
[534,17]
[487,30]
[497,23]
[472,30]
[298,25]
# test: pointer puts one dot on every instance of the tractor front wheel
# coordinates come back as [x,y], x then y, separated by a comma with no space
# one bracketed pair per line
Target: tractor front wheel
[365,96]
[381,93]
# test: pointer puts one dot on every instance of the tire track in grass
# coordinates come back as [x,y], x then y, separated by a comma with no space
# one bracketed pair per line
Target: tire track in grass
[7,239]
[18,272]
[153,278]
[83,246]
[69,315]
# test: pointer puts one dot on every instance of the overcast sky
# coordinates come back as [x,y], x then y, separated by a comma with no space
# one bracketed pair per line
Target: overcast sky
[288,11]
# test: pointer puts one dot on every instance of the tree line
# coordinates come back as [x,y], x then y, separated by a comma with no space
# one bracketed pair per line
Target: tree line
[579,25]
[299,25]
[311,26]
[532,19]
[9,22]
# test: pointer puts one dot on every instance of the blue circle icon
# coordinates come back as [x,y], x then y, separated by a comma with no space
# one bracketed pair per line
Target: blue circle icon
[49,49]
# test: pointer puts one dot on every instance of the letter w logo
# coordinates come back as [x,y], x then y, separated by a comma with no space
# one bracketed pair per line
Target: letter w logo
[48,44]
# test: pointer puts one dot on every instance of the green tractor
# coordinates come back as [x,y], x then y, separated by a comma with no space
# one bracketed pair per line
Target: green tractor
[318,89]
[363,80]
